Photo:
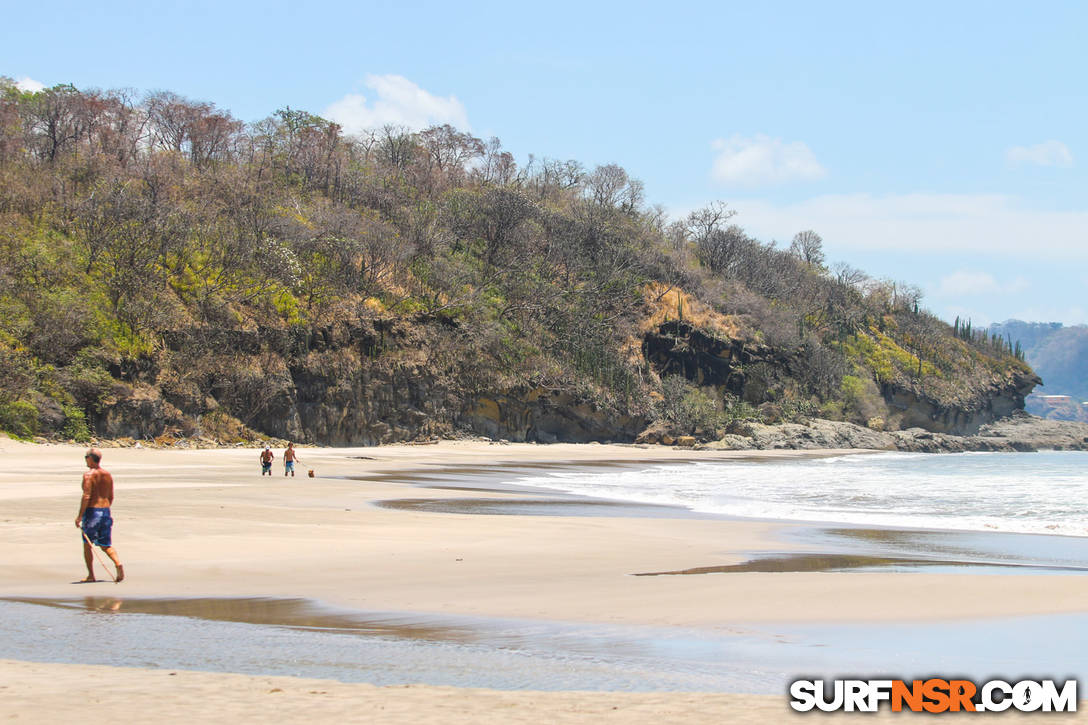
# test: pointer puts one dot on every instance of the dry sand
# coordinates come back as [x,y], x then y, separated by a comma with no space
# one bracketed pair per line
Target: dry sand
[205,524]
[53,693]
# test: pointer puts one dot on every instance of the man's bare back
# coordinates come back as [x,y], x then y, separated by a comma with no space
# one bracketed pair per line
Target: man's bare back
[94,519]
[98,488]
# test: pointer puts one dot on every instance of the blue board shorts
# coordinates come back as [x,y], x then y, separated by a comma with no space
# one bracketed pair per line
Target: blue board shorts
[288,466]
[266,467]
[98,526]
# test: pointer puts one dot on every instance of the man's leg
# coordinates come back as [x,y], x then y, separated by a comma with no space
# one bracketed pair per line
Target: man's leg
[112,554]
[88,559]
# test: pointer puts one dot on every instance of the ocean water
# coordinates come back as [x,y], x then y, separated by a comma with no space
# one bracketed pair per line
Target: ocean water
[1036,493]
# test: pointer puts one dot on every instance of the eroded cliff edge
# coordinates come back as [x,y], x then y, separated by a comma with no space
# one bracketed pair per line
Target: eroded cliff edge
[386,381]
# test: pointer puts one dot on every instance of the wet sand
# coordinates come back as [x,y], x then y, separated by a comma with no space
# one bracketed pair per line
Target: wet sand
[304,638]
[205,524]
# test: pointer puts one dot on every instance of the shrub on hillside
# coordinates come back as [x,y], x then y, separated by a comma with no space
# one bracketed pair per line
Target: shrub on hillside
[687,408]
[20,418]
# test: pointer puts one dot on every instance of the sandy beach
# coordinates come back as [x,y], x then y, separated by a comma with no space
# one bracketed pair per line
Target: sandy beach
[204,523]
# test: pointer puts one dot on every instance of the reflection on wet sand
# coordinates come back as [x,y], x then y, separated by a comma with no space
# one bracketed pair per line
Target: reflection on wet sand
[102,604]
[300,638]
[846,562]
[303,638]
[1038,551]
[292,613]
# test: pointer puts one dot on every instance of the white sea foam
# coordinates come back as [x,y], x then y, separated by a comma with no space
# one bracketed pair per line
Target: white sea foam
[1044,493]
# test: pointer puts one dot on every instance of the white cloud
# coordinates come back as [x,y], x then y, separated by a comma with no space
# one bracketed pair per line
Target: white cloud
[1048,153]
[968,283]
[985,224]
[959,284]
[762,160]
[398,101]
[29,84]
[1018,285]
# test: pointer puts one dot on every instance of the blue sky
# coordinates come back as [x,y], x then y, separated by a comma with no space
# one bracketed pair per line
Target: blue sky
[940,144]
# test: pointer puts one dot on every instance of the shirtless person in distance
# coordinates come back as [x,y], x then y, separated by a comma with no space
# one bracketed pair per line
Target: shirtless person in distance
[289,458]
[266,461]
[94,514]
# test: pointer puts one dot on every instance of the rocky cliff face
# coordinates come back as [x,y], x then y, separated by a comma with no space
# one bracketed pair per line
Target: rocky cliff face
[548,417]
[758,373]
[334,386]
[676,348]
[362,385]
[997,398]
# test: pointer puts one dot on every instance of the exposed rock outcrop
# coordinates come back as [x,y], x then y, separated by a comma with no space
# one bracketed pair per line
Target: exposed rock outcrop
[1019,432]
[677,348]
[333,386]
[1025,431]
[964,414]
[547,417]
[757,373]
[139,411]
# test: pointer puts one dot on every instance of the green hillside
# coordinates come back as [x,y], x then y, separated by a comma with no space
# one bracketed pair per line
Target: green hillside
[173,272]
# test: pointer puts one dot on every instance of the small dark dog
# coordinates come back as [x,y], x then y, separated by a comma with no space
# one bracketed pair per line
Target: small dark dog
[310,473]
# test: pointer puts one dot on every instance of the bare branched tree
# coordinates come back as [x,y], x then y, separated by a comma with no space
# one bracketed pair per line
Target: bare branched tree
[808,246]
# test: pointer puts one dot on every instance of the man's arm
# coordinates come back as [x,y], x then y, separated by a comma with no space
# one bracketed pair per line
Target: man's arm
[86,498]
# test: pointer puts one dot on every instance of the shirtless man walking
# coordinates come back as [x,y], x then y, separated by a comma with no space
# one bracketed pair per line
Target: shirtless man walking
[94,514]
[266,461]
[289,458]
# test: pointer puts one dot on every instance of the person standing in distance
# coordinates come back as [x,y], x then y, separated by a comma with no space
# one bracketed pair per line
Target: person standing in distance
[289,458]
[266,460]
[94,514]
